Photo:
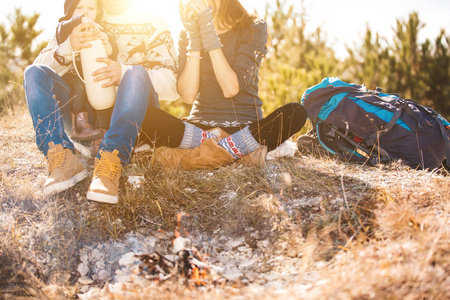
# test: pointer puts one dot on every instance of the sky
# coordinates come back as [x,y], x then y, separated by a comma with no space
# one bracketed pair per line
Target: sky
[343,21]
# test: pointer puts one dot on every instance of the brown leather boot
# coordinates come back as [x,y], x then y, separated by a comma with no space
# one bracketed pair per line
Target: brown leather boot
[254,159]
[82,130]
[209,155]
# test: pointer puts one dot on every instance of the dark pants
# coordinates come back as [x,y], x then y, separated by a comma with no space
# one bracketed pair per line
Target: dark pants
[163,129]
[79,102]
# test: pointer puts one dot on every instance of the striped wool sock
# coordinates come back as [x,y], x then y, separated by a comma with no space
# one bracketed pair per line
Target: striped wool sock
[240,143]
[193,136]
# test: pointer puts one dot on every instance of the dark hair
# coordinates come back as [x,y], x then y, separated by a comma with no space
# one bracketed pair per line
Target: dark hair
[231,14]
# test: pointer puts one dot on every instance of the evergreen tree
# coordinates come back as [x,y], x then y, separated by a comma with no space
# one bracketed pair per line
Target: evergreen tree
[17,50]
[435,67]
[297,60]
[23,34]
[369,64]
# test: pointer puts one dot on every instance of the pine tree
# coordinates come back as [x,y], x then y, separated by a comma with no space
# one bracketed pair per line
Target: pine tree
[17,50]
[297,60]
[435,68]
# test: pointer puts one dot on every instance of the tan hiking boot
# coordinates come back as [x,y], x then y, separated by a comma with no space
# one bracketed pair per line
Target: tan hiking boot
[82,130]
[65,169]
[209,155]
[105,181]
[256,158]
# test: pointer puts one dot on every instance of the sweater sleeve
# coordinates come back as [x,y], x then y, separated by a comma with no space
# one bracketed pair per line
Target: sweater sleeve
[252,50]
[57,57]
[65,28]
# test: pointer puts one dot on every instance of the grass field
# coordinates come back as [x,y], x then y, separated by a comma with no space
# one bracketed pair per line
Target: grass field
[310,227]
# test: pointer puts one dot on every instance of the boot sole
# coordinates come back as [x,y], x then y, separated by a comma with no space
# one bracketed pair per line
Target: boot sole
[65,185]
[103,198]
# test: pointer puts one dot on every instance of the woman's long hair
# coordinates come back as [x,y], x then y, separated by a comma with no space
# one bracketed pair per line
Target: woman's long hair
[232,14]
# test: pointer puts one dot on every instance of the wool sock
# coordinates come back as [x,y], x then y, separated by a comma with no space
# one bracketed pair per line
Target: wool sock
[193,136]
[240,143]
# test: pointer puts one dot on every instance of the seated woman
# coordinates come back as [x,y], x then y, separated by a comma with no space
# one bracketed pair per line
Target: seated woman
[220,54]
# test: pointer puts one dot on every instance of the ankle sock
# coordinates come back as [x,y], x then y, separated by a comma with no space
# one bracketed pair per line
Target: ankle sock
[193,136]
[240,143]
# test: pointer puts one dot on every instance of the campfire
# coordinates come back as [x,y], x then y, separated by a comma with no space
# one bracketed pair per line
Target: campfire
[187,263]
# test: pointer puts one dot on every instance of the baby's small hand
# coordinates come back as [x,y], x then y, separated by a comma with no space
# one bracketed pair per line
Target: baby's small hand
[88,20]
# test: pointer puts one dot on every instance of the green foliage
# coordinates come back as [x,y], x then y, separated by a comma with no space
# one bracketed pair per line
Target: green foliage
[413,70]
[17,50]
[297,60]
[23,33]
[299,57]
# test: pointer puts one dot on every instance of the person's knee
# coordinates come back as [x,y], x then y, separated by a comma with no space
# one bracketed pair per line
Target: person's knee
[32,72]
[299,110]
[298,117]
[136,72]
[36,73]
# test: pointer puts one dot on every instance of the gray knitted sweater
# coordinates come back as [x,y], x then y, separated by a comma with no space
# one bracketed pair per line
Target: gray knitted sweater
[244,49]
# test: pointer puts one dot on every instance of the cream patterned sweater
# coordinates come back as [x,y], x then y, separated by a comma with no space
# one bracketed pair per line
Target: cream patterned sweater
[140,38]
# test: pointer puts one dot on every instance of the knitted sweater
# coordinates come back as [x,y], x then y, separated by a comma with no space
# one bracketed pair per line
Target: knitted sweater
[139,38]
[244,49]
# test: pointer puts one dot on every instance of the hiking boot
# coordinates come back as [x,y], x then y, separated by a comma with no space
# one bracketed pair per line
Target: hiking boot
[256,158]
[105,181]
[65,169]
[308,144]
[82,130]
[209,155]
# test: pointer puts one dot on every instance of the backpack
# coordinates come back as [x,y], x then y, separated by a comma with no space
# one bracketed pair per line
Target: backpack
[372,127]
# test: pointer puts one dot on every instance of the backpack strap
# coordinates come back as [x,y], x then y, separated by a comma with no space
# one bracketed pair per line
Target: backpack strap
[445,136]
[371,153]
[400,107]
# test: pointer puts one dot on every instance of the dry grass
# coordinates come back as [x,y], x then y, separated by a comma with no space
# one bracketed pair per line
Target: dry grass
[361,232]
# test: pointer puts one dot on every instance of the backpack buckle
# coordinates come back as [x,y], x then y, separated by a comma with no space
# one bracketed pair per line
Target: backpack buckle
[400,103]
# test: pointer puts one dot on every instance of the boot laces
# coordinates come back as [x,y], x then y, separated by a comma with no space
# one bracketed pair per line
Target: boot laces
[106,167]
[56,159]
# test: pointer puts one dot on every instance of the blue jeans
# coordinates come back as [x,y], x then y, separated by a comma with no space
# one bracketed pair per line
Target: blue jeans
[48,98]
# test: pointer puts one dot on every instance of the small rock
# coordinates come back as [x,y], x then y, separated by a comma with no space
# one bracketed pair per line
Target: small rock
[128,260]
[135,181]
[85,280]
[103,275]
[83,269]
[236,242]
[233,274]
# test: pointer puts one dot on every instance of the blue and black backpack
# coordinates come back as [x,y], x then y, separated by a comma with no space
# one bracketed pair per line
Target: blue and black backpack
[357,124]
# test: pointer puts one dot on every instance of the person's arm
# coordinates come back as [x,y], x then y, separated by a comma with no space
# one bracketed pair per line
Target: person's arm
[251,51]
[188,82]
[58,56]
[190,47]
[225,75]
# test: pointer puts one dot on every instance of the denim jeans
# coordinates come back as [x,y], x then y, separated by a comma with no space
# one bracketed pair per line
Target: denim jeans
[48,98]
